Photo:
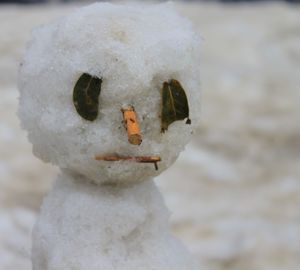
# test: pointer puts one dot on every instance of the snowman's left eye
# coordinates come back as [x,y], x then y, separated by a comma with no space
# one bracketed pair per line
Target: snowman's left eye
[86,96]
[174,104]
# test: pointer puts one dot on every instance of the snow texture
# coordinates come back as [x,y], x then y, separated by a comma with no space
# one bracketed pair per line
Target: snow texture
[87,226]
[244,218]
[134,49]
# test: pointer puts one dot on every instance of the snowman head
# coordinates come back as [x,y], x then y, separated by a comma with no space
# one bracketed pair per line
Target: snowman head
[89,77]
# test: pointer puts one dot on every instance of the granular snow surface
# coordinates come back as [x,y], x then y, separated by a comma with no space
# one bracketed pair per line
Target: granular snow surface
[235,191]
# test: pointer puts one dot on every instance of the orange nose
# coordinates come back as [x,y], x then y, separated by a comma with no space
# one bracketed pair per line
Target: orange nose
[132,126]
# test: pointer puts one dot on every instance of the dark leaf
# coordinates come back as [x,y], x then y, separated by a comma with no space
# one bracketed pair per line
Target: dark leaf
[85,96]
[174,104]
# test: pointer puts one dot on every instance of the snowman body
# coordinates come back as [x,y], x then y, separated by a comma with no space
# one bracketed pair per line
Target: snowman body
[106,213]
[87,226]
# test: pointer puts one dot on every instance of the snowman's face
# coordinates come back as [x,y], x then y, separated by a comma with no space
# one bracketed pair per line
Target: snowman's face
[131,70]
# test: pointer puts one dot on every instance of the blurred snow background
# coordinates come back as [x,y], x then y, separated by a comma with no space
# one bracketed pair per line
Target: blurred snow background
[235,191]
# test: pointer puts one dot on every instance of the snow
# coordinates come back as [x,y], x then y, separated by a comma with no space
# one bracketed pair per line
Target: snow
[134,49]
[85,223]
[250,120]
[87,226]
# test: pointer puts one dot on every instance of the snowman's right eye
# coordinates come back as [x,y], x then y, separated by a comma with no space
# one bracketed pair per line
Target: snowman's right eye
[86,96]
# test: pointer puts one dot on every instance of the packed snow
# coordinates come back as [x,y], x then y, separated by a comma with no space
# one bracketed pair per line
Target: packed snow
[235,192]
[134,49]
[87,226]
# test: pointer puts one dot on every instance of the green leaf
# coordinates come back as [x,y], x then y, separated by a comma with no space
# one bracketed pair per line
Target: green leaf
[174,104]
[85,96]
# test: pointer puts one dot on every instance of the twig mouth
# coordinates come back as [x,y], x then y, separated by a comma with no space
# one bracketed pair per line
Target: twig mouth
[140,159]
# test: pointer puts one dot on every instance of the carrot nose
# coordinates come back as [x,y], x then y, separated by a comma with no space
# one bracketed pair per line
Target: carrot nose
[132,126]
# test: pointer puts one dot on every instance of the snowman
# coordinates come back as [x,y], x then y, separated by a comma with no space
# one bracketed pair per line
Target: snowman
[110,94]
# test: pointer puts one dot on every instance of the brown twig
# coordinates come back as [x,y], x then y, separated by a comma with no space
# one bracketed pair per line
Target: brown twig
[141,159]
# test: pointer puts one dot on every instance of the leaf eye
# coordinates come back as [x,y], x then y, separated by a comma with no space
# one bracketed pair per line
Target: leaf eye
[174,104]
[86,96]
